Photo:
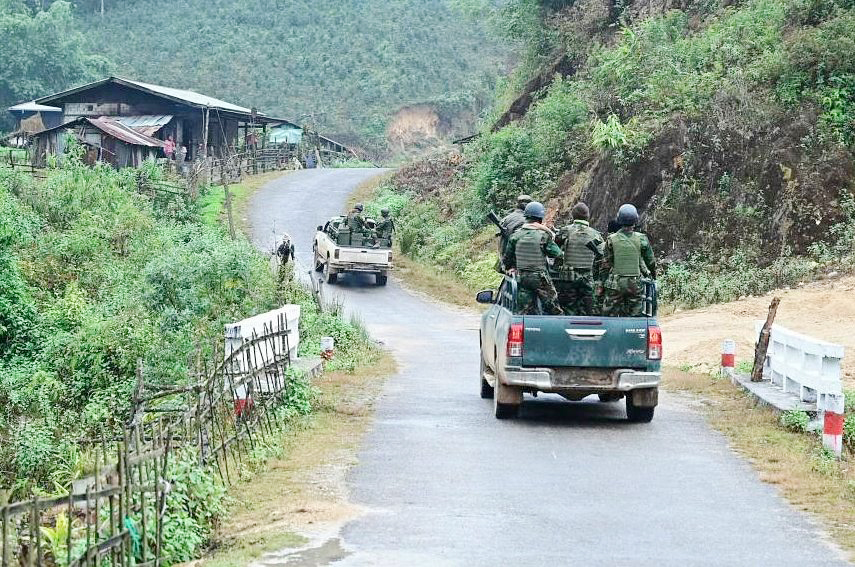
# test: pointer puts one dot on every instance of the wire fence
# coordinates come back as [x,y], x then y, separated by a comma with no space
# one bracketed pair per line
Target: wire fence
[115,516]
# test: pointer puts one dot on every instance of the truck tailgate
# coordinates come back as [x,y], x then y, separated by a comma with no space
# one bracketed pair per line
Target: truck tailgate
[594,342]
[364,255]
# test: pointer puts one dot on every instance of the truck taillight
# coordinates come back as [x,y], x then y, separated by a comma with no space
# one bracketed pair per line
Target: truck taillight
[654,343]
[336,253]
[516,334]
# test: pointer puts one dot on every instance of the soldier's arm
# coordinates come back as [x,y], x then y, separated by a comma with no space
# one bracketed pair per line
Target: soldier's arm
[647,256]
[553,250]
[608,256]
[509,258]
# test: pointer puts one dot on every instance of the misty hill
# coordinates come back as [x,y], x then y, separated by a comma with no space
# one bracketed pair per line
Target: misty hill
[355,63]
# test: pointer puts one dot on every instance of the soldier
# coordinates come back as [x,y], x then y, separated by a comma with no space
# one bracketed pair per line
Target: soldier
[626,252]
[583,249]
[385,227]
[354,219]
[526,255]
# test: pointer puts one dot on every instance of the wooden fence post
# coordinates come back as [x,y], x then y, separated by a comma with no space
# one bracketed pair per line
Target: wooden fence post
[763,342]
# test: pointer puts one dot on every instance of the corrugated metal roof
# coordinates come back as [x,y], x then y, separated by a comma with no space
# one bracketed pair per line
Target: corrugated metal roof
[124,133]
[148,124]
[190,96]
[181,95]
[33,107]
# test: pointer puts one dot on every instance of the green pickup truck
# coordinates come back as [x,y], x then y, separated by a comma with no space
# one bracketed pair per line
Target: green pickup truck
[613,357]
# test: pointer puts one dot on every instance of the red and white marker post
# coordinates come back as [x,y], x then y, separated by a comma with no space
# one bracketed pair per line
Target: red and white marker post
[832,424]
[728,358]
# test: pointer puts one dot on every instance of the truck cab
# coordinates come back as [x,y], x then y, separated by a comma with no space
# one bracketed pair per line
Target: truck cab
[572,356]
[338,249]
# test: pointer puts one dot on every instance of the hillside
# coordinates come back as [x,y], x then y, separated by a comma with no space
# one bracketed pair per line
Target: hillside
[414,69]
[730,126]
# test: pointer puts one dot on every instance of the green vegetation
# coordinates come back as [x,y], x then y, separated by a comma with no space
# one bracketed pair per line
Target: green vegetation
[351,63]
[42,53]
[795,420]
[94,277]
[730,128]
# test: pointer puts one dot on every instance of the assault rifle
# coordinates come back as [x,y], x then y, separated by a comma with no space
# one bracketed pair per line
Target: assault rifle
[494,218]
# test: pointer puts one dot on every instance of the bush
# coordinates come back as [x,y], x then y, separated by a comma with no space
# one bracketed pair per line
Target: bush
[795,420]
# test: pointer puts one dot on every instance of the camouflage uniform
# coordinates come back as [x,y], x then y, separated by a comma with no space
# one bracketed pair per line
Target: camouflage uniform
[629,256]
[510,223]
[575,280]
[385,228]
[527,251]
[355,222]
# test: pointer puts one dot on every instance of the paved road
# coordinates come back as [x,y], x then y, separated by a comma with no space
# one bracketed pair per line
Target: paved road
[447,484]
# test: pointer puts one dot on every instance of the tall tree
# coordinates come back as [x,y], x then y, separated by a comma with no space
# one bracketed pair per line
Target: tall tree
[43,51]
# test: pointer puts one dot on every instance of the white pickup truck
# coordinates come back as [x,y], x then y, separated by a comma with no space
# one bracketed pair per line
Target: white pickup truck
[337,250]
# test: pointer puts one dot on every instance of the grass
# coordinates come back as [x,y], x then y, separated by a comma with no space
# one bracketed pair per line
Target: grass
[367,190]
[794,462]
[435,282]
[213,203]
[305,487]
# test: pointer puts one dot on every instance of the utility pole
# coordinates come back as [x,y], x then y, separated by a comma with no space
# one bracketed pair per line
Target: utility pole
[102,9]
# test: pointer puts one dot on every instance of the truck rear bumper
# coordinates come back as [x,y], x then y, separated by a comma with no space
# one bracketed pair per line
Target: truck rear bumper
[583,380]
[349,267]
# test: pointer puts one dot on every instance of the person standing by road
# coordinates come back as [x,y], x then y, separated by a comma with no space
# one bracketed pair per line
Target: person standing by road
[625,254]
[526,255]
[169,148]
[583,250]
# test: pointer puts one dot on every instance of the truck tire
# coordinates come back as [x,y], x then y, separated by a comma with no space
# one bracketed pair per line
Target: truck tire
[638,414]
[319,265]
[382,279]
[486,389]
[503,410]
[329,276]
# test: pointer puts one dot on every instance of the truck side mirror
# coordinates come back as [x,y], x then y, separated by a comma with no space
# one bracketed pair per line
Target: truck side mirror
[485,296]
[320,228]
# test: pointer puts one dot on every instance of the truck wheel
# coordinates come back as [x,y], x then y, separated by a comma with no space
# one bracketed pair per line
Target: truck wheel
[486,389]
[319,266]
[608,397]
[638,414]
[504,410]
[329,276]
[382,279]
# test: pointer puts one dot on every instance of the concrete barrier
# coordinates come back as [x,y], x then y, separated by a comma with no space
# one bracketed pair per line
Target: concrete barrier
[803,365]
[286,318]
[811,369]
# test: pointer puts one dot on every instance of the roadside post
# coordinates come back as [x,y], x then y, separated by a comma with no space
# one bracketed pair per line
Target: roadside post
[832,424]
[728,358]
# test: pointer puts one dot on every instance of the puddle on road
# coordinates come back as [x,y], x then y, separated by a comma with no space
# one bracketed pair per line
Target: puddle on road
[320,556]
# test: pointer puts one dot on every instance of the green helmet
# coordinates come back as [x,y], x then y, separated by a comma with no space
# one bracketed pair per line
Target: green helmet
[535,210]
[627,215]
[384,212]
[523,200]
[358,207]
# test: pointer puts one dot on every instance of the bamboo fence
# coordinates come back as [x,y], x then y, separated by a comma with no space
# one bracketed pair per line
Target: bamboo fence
[115,516]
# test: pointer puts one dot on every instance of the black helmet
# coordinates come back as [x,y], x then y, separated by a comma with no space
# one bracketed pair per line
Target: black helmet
[384,212]
[627,215]
[535,210]
[358,207]
[580,211]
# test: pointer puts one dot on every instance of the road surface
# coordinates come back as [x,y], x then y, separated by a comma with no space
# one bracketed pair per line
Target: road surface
[446,483]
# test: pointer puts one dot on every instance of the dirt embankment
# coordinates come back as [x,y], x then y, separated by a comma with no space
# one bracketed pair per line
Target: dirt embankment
[824,310]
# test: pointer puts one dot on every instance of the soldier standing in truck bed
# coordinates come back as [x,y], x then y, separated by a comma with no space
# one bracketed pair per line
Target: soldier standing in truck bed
[525,255]
[628,255]
[583,249]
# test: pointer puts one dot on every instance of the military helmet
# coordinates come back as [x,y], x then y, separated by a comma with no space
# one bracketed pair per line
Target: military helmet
[535,210]
[627,215]
[384,212]
[523,200]
[358,207]
[580,211]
